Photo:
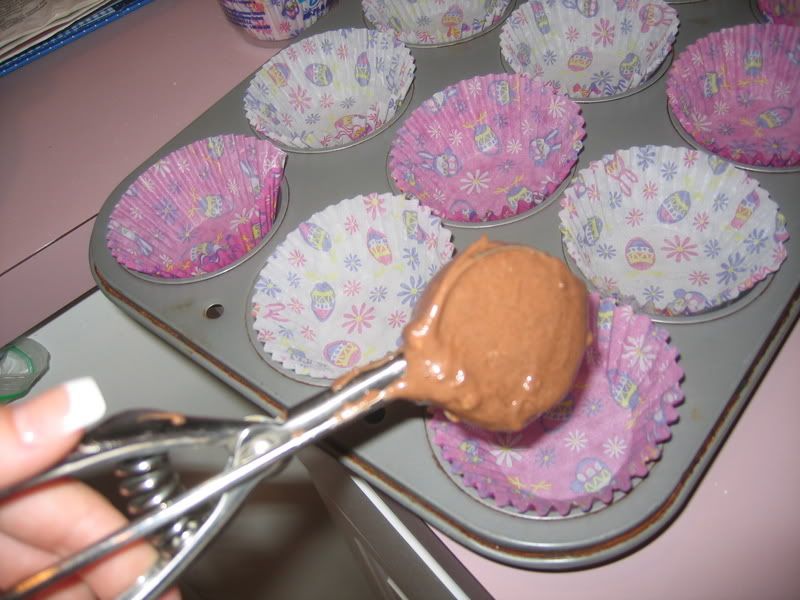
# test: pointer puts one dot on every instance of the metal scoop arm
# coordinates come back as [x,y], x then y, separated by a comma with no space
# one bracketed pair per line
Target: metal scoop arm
[259,445]
[132,434]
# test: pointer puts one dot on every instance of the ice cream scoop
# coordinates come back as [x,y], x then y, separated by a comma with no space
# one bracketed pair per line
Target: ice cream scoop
[496,339]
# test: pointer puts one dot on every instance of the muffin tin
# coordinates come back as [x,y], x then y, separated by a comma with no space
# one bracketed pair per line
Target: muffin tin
[723,359]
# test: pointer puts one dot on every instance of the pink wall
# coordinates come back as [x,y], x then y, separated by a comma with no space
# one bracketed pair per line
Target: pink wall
[79,120]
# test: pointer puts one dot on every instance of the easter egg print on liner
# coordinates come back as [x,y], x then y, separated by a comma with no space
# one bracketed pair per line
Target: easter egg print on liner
[742,103]
[487,148]
[337,292]
[590,50]
[331,90]
[673,231]
[274,20]
[200,209]
[432,23]
[591,446]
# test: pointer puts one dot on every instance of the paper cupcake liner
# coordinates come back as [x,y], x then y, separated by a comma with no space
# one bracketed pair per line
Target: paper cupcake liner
[338,291]
[593,444]
[780,12]
[736,92]
[672,230]
[330,90]
[199,209]
[487,148]
[589,49]
[432,22]
[281,20]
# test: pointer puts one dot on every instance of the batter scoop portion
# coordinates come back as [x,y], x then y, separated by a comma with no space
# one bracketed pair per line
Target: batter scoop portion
[497,337]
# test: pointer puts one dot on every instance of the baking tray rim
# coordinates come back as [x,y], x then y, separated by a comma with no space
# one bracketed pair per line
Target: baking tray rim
[556,558]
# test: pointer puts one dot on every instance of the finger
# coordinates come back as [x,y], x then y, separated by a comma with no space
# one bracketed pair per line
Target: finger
[39,431]
[20,559]
[67,516]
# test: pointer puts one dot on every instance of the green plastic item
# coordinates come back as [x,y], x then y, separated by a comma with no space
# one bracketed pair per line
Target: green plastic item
[21,365]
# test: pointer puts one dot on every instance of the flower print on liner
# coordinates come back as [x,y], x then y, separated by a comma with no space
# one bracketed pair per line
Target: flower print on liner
[606,433]
[686,245]
[742,104]
[276,19]
[306,100]
[335,292]
[433,22]
[589,50]
[474,154]
[202,208]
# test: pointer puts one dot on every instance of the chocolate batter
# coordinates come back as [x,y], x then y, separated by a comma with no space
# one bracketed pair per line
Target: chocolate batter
[497,338]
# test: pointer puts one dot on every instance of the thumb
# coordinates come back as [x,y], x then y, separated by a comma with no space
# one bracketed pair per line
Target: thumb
[37,432]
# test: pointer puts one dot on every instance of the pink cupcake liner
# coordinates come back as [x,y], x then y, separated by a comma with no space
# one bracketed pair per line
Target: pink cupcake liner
[780,12]
[487,148]
[199,209]
[274,20]
[593,444]
[736,92]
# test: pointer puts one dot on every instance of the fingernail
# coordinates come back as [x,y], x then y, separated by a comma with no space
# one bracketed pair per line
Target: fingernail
[73,406]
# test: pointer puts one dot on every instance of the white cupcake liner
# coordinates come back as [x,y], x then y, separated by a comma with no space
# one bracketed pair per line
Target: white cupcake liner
[274,21]
[433,23]
[673,231]
[487,148]
[338,291]
[589,49]
[736,93]
[330,90]
[199,209]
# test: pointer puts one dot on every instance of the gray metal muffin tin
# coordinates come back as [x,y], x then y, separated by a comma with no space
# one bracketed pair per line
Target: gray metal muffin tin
[724,359]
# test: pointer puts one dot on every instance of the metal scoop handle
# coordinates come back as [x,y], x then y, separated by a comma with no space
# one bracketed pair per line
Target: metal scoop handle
[256,452]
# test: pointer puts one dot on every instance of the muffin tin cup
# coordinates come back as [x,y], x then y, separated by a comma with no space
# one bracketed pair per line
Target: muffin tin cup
[294,150]
[444,44]
[589,50]
[652,79]
[593,445]
[676,232]
[747,167]
[265,23]
[488,148]
[199,210]
[337,292]
[498,222]
[766,14]
[741,102]
[712,314]
[283,203]
[331,90]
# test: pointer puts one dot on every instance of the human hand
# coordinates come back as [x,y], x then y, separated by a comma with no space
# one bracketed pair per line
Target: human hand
[42,525]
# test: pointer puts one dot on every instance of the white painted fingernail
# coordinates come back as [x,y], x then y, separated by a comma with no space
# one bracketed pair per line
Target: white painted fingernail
[86,404]
[61,411]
